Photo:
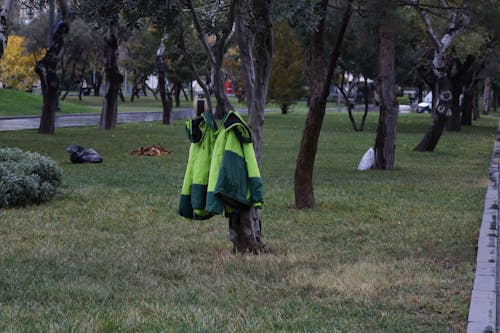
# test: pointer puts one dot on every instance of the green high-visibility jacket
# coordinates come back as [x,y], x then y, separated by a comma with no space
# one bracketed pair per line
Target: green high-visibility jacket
[201,131]
[222,172]
[234,179]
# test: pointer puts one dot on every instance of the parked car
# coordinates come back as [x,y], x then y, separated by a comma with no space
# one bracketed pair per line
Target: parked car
[426,104]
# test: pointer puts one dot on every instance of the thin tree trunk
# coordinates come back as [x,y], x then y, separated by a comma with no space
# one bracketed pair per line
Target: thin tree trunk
[5,15]
[146,87]
[385,142]
[215,55]
[486,95]
[97,82]
[263,50]
[475,103]
[187,53]
[166,102]
[46,69]
[319,90]
[463,75]
[109,114]
[454,122]
[349,107]
[177,92]
[467,106]
[223,104]
[365,95]
[495,99]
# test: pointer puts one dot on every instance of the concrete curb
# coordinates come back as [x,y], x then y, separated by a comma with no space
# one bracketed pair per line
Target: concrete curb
[484,298]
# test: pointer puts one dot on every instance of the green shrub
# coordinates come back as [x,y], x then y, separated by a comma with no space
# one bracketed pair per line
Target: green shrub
[27,178]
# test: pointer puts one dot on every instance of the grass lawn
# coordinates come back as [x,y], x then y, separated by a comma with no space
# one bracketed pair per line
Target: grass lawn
[15,103]
[381,252]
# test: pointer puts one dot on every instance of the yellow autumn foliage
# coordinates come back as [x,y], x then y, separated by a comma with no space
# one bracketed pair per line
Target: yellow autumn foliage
[17,67]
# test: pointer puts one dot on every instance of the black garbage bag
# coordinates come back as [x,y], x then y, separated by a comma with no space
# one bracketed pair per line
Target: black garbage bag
[79,154]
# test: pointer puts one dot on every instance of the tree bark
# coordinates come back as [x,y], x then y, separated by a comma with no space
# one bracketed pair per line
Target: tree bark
[5,15]
[365,94]
[467,105]
[385,142]
[46,69]
[486,95]
[256,50]
[109,113]
[475,103]
[216,55]
[97,82]
[348,104]
[319,89]
[462,77]
[440,113]
[166,101]
[441,66]
[453,124]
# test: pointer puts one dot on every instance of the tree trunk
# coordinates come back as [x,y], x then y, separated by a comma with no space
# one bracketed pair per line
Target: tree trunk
[467,106]
[486,95]
[166,101]
[97,82]
[454,122]
[442,99]
[495,99]
[319,90]
[462,77]
[109,113]
[223,104]
[135,92]
[177,92]
[365,95]
[284,108]
[5,15]
[475,103]
[441,66]
[348,105]
[46,69]
[256,50]
[216,54]
[385,142]
[263,53]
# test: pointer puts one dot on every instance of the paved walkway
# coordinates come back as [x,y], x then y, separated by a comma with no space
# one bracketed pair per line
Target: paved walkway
[33,122]
[70,120]
[484,311]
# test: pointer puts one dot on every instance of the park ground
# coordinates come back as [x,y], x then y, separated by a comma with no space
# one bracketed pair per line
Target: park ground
[381,252]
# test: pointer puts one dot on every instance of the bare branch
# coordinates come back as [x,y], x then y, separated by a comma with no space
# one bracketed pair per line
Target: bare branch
[202,36]
[428,26]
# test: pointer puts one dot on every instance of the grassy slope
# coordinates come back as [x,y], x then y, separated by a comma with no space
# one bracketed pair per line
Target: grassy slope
[381,252]
[16,103]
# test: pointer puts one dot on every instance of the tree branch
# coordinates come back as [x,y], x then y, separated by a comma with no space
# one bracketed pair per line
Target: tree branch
[201,34]
[337,48]
[428,25]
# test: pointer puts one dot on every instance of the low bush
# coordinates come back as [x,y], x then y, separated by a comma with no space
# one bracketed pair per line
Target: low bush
[27,178]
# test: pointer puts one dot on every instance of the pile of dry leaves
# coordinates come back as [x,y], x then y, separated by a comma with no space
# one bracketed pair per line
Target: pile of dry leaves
[150,151]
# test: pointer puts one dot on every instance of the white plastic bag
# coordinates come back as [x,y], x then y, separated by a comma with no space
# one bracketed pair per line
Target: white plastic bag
[367,161]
